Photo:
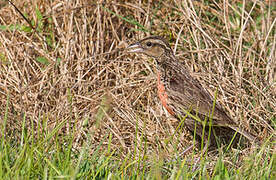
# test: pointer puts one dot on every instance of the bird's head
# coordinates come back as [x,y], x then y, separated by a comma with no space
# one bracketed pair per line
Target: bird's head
[153,46]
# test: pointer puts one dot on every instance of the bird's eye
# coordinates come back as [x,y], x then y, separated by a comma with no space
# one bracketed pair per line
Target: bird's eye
[149,44]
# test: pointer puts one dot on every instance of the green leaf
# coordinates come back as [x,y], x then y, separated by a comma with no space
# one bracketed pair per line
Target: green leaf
[38,14]
[43,60]
[58,61]
[26,29]
[3,27]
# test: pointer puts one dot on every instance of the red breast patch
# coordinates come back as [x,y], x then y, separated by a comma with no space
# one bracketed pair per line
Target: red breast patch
[162,94]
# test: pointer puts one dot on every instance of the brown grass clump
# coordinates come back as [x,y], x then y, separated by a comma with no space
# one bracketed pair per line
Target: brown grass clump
[73,68]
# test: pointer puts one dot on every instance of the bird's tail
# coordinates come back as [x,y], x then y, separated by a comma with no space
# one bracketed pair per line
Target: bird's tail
[246,134]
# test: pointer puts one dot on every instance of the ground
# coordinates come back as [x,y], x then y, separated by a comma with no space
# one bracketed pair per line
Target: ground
[70,73]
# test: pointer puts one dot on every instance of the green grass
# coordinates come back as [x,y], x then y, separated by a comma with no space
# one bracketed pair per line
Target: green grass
[51,157]
[47,155]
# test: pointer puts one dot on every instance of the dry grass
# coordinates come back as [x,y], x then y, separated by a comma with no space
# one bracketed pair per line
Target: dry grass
[73,68]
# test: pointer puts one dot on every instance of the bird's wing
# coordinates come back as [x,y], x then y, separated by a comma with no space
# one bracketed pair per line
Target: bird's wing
[186,92]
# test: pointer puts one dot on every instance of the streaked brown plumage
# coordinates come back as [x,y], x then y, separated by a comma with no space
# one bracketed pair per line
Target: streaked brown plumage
[179,91]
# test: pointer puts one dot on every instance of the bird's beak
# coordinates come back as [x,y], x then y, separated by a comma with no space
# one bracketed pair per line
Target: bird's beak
[134,48]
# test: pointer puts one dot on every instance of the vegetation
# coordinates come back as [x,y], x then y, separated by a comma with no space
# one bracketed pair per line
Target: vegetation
[75,105]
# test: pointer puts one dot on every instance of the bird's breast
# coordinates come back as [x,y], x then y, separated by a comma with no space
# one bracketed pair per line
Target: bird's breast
[163,96]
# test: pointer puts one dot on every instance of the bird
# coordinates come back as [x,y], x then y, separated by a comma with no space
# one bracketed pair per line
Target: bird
[184,96]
